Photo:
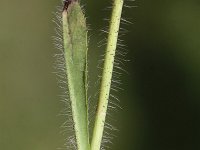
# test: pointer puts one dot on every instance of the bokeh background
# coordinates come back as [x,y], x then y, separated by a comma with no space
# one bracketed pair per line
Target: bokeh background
[161,97]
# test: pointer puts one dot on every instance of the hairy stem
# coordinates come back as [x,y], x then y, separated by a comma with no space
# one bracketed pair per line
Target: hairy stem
[75,48]
[107,75]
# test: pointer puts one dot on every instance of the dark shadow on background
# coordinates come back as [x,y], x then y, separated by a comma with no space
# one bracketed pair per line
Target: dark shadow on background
[167,92]
[173,118]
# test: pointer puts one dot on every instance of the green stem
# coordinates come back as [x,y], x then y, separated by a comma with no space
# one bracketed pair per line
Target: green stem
[107,75]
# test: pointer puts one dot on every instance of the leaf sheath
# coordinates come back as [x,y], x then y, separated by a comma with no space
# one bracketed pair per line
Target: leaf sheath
[75,49]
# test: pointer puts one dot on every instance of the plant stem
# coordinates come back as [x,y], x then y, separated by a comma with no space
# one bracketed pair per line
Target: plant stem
[75,49]
[107,75]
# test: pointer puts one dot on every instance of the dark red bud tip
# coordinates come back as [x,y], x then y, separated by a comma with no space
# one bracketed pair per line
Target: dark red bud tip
[67,3]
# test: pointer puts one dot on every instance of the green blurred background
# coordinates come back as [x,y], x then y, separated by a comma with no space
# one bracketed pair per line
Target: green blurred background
[161,108]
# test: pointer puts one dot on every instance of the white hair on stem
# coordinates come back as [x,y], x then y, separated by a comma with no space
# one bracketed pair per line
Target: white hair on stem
[67,127]
[118,64]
